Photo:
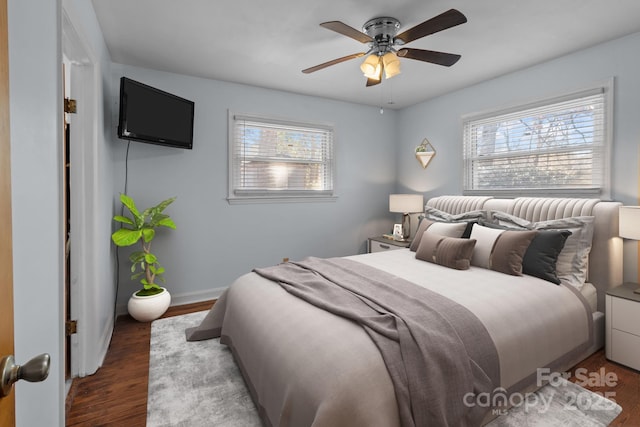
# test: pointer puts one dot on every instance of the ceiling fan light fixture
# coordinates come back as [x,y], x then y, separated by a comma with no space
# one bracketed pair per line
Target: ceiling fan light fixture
[371,67]
[391,64]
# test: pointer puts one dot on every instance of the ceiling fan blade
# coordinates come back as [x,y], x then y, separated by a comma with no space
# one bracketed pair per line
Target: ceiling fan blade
[440,58]
[345,30]
[445,20]
[373,82]
[333,62]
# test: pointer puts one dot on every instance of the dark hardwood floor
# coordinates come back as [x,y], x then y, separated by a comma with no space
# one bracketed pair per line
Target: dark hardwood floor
[117,394]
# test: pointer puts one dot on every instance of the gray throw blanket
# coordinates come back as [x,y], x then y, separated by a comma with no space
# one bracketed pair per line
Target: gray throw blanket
[435,350]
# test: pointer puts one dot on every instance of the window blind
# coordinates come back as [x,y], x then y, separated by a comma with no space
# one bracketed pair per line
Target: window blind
[558,145]
[276,158]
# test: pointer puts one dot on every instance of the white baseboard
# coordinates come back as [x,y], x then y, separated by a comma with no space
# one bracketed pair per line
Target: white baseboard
[182,299]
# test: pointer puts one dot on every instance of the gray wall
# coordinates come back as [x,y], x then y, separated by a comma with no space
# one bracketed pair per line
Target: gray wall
[38,243]
[216,242]
[34,79]
[440,120]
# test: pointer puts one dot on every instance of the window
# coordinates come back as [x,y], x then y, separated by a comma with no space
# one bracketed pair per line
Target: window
[558,146]
[279,160]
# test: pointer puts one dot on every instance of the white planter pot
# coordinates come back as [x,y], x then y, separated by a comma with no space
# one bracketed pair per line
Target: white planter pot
[148,308]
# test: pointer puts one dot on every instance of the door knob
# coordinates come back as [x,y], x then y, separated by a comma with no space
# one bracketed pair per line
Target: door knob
[35,370]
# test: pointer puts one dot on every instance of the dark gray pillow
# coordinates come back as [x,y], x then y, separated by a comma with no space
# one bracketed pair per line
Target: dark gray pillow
[542,255]
[450,252]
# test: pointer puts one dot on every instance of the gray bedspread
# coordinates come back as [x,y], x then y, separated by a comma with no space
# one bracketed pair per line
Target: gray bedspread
[435,350]
[308,367]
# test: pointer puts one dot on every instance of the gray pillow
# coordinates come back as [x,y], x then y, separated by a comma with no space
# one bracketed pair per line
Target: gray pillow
[499,249]
[469,218]
[441,228]
[573,260]
[541,256]
[450,252]
[509,251]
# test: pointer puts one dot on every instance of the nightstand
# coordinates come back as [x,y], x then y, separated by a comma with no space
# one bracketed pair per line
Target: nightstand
[381,244]
[623,325]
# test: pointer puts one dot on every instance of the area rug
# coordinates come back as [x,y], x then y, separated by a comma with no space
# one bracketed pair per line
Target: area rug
[198,384]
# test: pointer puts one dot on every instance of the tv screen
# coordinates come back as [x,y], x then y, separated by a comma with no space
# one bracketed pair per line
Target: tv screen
[151,115]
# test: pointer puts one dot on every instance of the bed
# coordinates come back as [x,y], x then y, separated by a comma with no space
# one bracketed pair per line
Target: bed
[308,360]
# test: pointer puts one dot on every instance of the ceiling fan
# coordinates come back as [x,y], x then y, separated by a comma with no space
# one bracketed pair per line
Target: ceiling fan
[380,35]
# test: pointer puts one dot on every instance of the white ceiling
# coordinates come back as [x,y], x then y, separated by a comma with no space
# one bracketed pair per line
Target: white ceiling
[267,44]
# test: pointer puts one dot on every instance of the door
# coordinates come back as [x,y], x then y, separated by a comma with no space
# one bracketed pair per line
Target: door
[7,404]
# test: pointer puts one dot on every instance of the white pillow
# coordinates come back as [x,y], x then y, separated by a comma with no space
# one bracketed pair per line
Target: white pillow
[485,240]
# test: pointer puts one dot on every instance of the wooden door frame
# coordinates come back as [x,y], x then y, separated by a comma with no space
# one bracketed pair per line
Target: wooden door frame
[7,404]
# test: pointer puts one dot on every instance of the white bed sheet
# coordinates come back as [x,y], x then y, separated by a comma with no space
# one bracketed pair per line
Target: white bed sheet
[591,295]
[500,304]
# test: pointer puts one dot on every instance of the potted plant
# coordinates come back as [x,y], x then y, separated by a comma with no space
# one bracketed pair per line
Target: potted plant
[152,300]
[425,152]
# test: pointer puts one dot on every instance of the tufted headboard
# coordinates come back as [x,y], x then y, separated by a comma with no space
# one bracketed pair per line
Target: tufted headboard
[605,258]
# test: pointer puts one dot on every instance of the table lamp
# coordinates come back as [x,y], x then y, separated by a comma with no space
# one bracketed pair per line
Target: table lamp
[630,225]
[406,204]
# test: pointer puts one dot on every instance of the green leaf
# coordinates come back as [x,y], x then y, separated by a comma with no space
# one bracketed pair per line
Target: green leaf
[148,234]
[151,286]
[144,282]
[126,237]
[136,256]
[123,219]
[137,275]
[150,258]
[163,205]
[167,222]
[160,270]
[130,204]
[156,218]
[149,292]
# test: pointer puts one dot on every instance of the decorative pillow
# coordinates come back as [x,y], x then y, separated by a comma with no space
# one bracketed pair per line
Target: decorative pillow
[486,238]
[469,218]
[509,250]
[573,260]
[541,256]
[500,250]
[450,252]
[442,228]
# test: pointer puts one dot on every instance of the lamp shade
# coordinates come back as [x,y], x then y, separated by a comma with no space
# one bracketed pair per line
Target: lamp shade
[371,67]
[630,222]
[391,64]
[406,203]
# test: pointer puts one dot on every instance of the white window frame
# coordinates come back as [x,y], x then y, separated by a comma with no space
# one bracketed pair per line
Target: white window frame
[239,196]
[603,191]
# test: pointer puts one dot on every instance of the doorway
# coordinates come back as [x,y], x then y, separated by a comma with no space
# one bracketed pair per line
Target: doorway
[82,85]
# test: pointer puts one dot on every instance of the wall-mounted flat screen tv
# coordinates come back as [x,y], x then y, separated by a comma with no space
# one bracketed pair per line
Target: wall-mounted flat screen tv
[151,115]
